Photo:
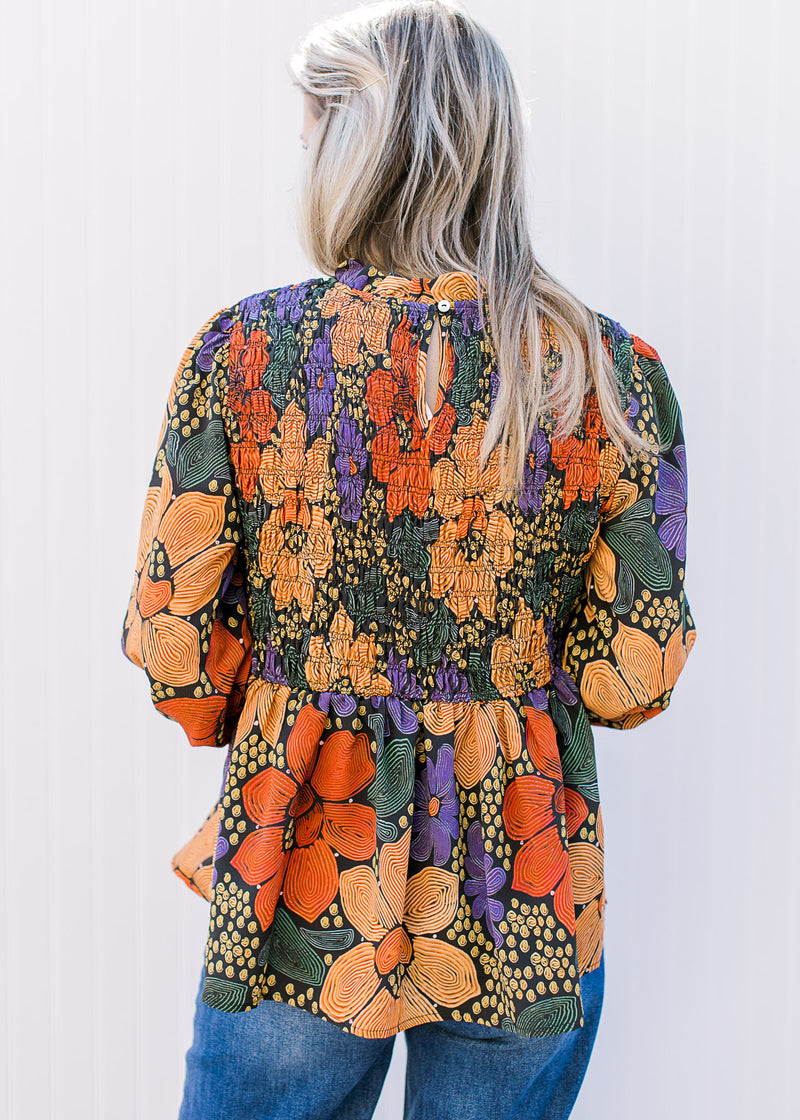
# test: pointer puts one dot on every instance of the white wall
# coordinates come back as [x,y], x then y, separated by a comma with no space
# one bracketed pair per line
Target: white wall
[150,151]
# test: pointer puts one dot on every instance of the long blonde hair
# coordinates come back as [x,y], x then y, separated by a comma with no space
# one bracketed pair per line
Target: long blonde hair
[417,166]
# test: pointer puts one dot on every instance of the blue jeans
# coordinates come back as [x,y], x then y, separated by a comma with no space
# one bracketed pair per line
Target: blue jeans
[278,1062]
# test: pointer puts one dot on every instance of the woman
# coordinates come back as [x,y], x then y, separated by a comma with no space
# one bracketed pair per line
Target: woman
[414,526]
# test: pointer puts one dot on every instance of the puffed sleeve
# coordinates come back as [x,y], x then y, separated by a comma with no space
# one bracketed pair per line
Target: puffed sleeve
[186,624]
[631,629]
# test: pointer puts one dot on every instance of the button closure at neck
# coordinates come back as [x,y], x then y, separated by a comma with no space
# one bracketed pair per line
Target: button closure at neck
[440,294]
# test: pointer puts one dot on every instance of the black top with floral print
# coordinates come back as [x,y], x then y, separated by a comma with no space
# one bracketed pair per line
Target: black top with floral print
[403,660]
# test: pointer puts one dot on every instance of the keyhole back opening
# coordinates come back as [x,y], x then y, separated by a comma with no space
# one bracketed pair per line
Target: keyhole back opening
[432,358]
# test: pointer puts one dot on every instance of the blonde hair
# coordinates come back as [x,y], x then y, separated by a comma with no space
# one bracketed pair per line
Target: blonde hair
[417,166]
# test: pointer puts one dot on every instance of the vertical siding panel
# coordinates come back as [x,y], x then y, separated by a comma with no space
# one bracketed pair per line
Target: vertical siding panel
[27,901]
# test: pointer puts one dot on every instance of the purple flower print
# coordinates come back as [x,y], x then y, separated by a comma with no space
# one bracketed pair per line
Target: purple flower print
[353,274]
[405,686]
[486,880]
[671,498]
[634,411]
[494,382]
[534,478]
[350,460]
[451,684]
[289,302]
[417,312]
[252,306]
[343,705]
[434,824]
[219,852]
[564,686]
[539,698]
[225,584]
[321,381]
[470,314]
[273,668]
[212,341]
[404,683]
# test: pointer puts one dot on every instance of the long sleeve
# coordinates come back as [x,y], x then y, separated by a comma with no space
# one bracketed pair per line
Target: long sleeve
[631,629]
[186,624]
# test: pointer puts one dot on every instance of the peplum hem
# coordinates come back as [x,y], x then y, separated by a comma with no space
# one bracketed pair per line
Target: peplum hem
[385,862]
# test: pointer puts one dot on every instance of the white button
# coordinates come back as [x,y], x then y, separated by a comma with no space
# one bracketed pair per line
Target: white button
[444,305]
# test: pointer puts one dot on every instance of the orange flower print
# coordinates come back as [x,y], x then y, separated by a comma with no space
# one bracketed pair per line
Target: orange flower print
[400,449]
[533,808]
[476,542]
[311,807]
[345,658]
[245,457]
[588,887]
[525,648]
[296,541]
[580,458]
[642,674]
[644,348]
[359,319]
[395,977]
[474,734]
[601,570]
[478,731]
[180,568]
[248,359]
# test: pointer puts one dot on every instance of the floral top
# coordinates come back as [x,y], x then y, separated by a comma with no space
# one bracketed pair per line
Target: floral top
[403,661]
